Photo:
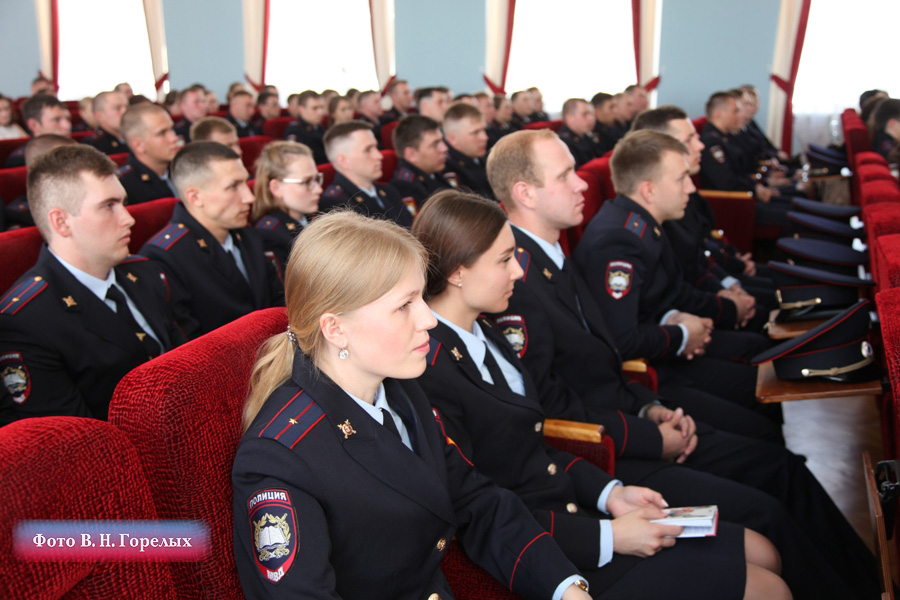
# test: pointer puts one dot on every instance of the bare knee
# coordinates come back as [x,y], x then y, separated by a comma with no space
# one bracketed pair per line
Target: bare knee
[763,584]
[759,551]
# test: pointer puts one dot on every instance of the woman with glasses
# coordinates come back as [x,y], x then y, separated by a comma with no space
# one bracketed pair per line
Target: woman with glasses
[287,191]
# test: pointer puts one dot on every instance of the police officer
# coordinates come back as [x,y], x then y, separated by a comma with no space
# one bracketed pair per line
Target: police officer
[401,102]
[432,102]
[464,130]
[605,128]
[354,153]
[423,153]
[108,108]
[307,128]
[577,131]
[148,130]
[192,104]
[208,248]
[86,313]
[42,113]
[240,114]
[370,108]
[523,107]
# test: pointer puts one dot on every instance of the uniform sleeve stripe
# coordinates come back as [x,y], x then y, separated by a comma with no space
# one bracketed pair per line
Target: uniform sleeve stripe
[574,460]
[624,435]
[552,522]
[515,566]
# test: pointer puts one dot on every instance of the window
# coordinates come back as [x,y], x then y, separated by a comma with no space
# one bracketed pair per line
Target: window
[88,62]
[546,49]
[846,51]
[320,45]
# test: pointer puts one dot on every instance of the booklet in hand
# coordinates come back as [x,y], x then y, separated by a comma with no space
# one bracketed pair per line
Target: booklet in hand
[698,521]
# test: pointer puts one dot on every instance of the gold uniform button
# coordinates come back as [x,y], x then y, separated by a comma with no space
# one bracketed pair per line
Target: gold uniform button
[442,543]
[538,426]
[551,468]
[571,507]
[434,597]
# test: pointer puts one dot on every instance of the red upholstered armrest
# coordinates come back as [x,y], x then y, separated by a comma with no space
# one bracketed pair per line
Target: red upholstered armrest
[638,370]
[735,213]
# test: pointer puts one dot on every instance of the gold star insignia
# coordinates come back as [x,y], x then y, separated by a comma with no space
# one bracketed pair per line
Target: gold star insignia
[290,226]
[202,243]
[131,277]
[140,336]
[70,301]
[456,353]
[292,421]
[381,192]
[38,278]
[547,273]
[360,199]
[181,226]
[656,231]
[145,177]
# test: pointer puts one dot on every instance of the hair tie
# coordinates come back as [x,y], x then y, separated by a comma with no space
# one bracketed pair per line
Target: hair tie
[291,336]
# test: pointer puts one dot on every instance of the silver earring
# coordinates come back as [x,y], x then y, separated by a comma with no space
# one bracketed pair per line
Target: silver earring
[459,284]
[343,354]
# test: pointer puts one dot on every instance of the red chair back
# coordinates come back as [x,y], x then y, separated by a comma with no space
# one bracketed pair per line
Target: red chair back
[80,135]
[699,123]
[388,165]
[69,468]
[554,125]
[327,171]
[182,411]
[12,183]
[149,218]
[7,147]
[274,128]
[251,147]
[120,159]
[387,132]
[19,251]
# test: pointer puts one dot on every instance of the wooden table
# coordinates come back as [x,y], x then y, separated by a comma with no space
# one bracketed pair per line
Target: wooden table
[771,389]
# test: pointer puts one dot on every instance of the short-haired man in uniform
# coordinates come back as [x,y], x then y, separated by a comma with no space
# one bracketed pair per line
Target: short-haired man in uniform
[192,104]
[639,100]
[432,102]
[353,151]
[466,135]
[42,85]
[86,313]
[537,100]
[577,131]
[307,128]
[42,113]
[216,129]
[370,109]
[268,106]
[150,135]
[605,128]
[209,248]
[240,114]
[401,101]
[108,108]
[17,212]
[523,108]
[422,155]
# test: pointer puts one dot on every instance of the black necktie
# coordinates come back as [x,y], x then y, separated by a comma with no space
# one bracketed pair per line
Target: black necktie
[149,344]
[389,422]
[494,369]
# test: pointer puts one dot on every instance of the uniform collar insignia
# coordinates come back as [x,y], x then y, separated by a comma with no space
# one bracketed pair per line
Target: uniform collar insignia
[202,243]
[290,226]
[346,428]
[456,353]
[131,277]
[547,274]
[70,301]
[145,177]
[656,231]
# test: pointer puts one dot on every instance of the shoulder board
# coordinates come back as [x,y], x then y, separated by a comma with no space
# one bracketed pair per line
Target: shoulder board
[124,170]
[170,234]
[635,224]
[333,191]
[20,151]
[134,258]
[434,346]
[524,258]
[21,294]
[294,421]
[268,222]
[95,136]
[405,174]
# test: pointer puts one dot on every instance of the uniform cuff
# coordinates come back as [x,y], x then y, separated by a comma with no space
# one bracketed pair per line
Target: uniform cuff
[604,495]
[606,542]
[729,281]
[684,338]
[562,587]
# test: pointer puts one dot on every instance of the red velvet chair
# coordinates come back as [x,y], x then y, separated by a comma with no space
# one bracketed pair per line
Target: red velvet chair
[7,147]
[13,183]
[387,131]
[327,171]
[869,172]
[251,147]
[699,123]
[888,305]
[554,125]
[878,191]
[120,159]
[388,165]
[69,468]
[887,249]
[149,217]
[869,158]
[182,411]
[19,251]
[80,135]
[274,128]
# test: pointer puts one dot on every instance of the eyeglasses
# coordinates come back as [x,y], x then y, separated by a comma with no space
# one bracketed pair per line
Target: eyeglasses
[309,182]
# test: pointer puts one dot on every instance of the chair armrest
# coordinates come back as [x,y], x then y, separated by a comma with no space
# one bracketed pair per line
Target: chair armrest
[735,213]
[638,365]
[573,430]
[582,439]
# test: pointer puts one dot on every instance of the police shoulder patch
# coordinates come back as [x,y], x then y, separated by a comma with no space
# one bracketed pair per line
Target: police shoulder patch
[513,329]
[15,376]
[21,294]
[405,174]
[333,191]
[619,275]
[635,224]
[718,153]
[273,527]
[168,235]
[268,223]
[294,420]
